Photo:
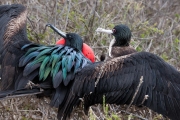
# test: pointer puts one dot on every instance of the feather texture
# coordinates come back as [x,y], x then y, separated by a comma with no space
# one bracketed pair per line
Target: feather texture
[28,68]
[118,85]
[54,61]
[64,74]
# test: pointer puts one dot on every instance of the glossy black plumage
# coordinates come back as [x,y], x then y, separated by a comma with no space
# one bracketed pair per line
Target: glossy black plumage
[120,45]
[116,78]
[29,68]
[161,84]
[8,38]
[122,37]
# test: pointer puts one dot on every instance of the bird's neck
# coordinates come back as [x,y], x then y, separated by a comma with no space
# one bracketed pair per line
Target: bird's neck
[117,51]
[75,45]
[120,49]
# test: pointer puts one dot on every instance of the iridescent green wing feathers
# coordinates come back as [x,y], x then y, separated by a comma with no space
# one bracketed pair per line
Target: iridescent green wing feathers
[58,62]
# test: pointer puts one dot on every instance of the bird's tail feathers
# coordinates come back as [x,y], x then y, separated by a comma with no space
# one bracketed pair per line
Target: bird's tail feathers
[18,93]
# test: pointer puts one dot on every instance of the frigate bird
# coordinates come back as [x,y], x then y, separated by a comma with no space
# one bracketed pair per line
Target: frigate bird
[120,45]
[65,75]
[128,77]
[29,68]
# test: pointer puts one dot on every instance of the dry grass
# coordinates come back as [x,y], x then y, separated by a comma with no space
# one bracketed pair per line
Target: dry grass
[154,24]
[27,108]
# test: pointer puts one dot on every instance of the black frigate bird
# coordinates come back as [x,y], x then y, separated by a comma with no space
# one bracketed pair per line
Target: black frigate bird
[120,45]
[28,68]
[118,80]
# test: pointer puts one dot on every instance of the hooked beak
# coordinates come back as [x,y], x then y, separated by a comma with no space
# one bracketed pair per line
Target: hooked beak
[104,30]
[62,34]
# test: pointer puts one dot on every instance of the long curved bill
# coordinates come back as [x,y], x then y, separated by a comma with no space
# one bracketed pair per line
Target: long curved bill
[62,34]
[104,30]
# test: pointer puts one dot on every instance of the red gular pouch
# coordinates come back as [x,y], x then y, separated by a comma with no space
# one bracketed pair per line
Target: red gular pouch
[86,50]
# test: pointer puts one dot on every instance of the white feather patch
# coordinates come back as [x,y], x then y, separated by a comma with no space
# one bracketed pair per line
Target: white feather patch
[110,47]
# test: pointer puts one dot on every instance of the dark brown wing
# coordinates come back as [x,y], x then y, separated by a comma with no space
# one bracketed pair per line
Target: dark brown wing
[119,80]
[120,51]
[12,38]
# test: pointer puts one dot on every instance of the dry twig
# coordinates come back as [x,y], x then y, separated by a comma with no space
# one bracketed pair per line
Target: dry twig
[137,89]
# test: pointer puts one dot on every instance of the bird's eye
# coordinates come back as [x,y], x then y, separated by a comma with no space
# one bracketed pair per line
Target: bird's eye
[113,30]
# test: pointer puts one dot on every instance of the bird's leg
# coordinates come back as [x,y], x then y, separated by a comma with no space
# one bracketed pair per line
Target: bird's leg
[30,85]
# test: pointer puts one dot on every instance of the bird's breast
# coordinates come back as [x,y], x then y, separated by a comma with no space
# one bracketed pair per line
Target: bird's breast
[121,51]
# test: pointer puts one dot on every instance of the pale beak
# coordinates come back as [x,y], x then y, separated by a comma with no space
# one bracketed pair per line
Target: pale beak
[104,30]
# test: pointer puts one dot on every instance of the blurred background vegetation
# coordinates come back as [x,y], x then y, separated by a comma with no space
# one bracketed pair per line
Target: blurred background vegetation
[155,28]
